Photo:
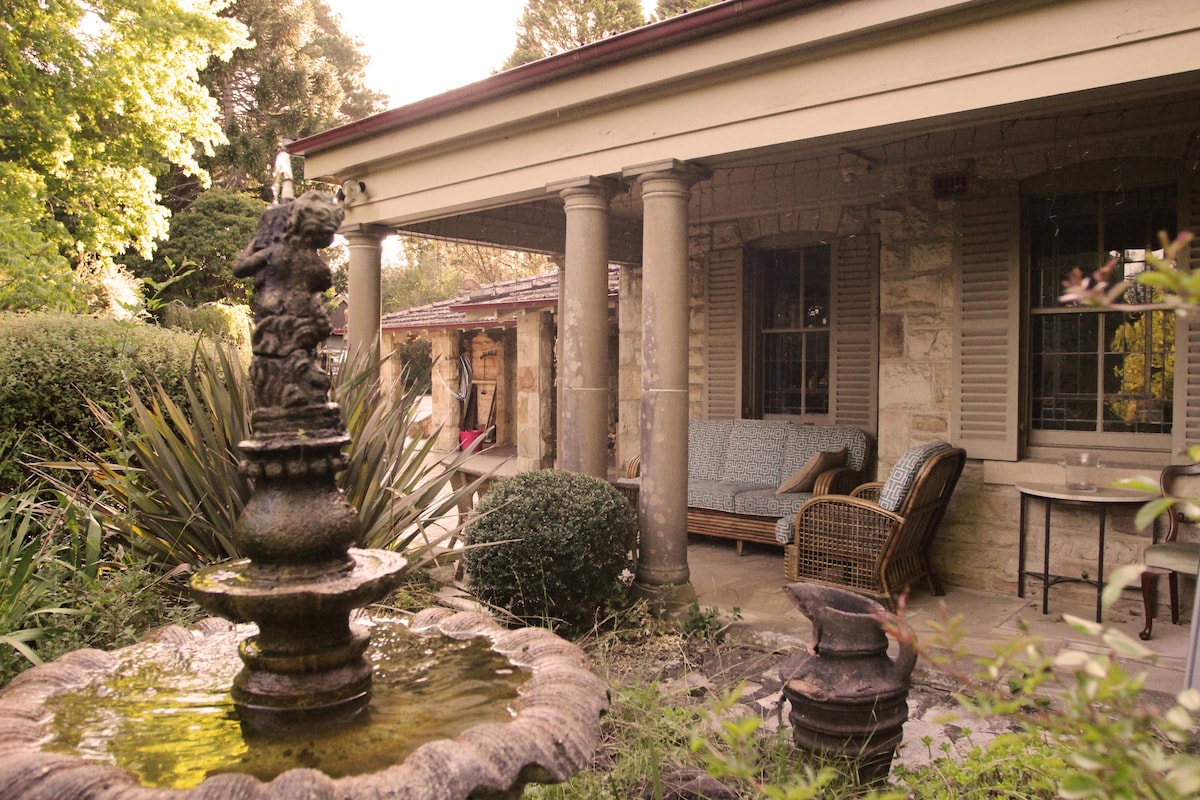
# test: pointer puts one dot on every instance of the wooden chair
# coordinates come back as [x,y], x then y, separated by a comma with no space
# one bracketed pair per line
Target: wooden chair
[1169,556]
[876,540]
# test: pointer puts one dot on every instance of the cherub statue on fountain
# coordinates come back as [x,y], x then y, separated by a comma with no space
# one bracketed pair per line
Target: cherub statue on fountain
[289,279]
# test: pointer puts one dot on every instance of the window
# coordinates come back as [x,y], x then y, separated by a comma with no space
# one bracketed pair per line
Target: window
[793,331]
[1096,373]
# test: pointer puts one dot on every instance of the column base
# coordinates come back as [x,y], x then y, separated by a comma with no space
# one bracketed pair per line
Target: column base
[668,601]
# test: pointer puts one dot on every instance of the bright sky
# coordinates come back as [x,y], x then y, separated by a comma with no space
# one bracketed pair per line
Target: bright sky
[420,48]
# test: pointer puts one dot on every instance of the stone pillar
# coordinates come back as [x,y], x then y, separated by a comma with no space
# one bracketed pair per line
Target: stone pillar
[444,348]
[535,388]
[666,190]
[365,311]
[583,336]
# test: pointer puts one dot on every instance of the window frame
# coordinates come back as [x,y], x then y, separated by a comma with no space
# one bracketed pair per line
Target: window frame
[1093,178]
[757,329]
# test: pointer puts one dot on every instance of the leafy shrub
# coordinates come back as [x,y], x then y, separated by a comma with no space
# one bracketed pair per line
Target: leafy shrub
[551,546]
[50,362]
[220,321]
[63,588]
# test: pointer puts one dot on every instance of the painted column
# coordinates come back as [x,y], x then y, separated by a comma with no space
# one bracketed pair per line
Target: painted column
[583,337]
[666,189]
[365,310]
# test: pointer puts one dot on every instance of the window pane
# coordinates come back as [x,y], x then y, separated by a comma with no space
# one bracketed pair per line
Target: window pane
[1065,367]
[783,373]
[1139,372]
[1090,369]
[816,287]
[816,373]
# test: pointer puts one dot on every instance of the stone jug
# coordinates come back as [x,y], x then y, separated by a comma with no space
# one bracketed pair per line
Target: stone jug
[848,697]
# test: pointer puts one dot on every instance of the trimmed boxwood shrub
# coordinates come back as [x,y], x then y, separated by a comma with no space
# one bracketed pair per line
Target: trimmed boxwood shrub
[50,362]
[554,548]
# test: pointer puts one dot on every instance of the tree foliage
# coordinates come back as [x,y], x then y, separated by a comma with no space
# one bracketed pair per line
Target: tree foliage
[549,27]
[434,270]
[673,8]
[205,238]
[97,98]
[302,76]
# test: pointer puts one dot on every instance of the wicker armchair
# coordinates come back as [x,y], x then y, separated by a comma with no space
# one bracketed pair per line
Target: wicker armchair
[854,541]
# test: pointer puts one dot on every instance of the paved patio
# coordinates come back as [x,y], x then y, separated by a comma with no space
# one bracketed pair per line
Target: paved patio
[752,584]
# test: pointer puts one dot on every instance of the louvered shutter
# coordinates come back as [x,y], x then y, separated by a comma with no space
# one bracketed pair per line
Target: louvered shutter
[724,389]
[1185,426]
[854,357]
[987,347]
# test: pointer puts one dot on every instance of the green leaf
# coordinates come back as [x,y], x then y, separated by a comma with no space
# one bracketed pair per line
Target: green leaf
[1118,579]
[1079,786]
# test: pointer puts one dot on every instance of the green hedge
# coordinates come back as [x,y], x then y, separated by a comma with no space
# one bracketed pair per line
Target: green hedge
[553,547]
[50,362]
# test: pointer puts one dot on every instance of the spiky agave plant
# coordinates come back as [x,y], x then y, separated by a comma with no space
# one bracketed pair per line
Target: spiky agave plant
[173,490]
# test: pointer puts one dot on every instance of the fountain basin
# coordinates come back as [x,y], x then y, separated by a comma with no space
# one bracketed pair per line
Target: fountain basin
[547,730]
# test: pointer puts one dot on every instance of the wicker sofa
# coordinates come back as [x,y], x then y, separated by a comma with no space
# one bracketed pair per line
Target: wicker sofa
[736,469]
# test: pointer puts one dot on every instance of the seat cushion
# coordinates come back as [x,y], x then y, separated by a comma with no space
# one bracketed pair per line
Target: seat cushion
[785,529]
[708,439]
[1182,557]
[718,495]
[769,503]
[904,474]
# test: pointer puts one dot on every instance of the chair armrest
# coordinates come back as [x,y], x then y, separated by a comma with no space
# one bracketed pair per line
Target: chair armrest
[842,522]
[839,480]
[869,491]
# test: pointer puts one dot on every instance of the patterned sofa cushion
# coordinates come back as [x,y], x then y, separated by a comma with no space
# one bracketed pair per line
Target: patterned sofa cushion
[769,503]
[708,440]
[785,529]
[755,453]
[716,495]
[902,476]
[804,440]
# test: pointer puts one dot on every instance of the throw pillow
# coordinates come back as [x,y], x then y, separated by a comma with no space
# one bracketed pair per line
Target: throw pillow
[802,480]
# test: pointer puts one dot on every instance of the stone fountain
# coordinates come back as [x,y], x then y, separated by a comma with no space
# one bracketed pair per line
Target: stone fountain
[306,668]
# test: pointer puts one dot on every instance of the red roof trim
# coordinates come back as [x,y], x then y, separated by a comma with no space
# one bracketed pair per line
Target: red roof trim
[690,26]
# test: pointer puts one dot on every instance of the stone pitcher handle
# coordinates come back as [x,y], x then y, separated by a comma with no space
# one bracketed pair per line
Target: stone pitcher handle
[907,638]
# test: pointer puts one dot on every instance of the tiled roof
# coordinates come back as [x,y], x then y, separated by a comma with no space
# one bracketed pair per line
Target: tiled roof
[491,306]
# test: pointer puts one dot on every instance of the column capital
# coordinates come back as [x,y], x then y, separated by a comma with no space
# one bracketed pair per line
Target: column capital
[587,186]
[670,168]
[368,234]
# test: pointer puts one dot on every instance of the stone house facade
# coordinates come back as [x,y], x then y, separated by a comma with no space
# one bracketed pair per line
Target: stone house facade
[832,211]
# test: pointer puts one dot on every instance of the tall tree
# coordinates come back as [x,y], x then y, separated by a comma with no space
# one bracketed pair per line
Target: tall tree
[205,239]
[97,98]
[548,27]
[302,76]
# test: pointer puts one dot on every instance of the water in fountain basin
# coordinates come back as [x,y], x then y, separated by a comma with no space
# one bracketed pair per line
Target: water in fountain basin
[168,717]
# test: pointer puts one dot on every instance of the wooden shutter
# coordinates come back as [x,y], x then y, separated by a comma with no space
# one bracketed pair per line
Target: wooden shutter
[986,415]
[1185,426]
[854,345]
[724,389]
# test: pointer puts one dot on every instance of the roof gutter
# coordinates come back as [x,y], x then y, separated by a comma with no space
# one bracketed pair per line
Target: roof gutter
[693,25]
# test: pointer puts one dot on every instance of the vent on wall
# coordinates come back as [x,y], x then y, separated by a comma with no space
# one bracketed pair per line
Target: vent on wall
[949,185]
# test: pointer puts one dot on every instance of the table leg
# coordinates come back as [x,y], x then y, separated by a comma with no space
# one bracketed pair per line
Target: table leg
[1046,560]
[1021,549]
